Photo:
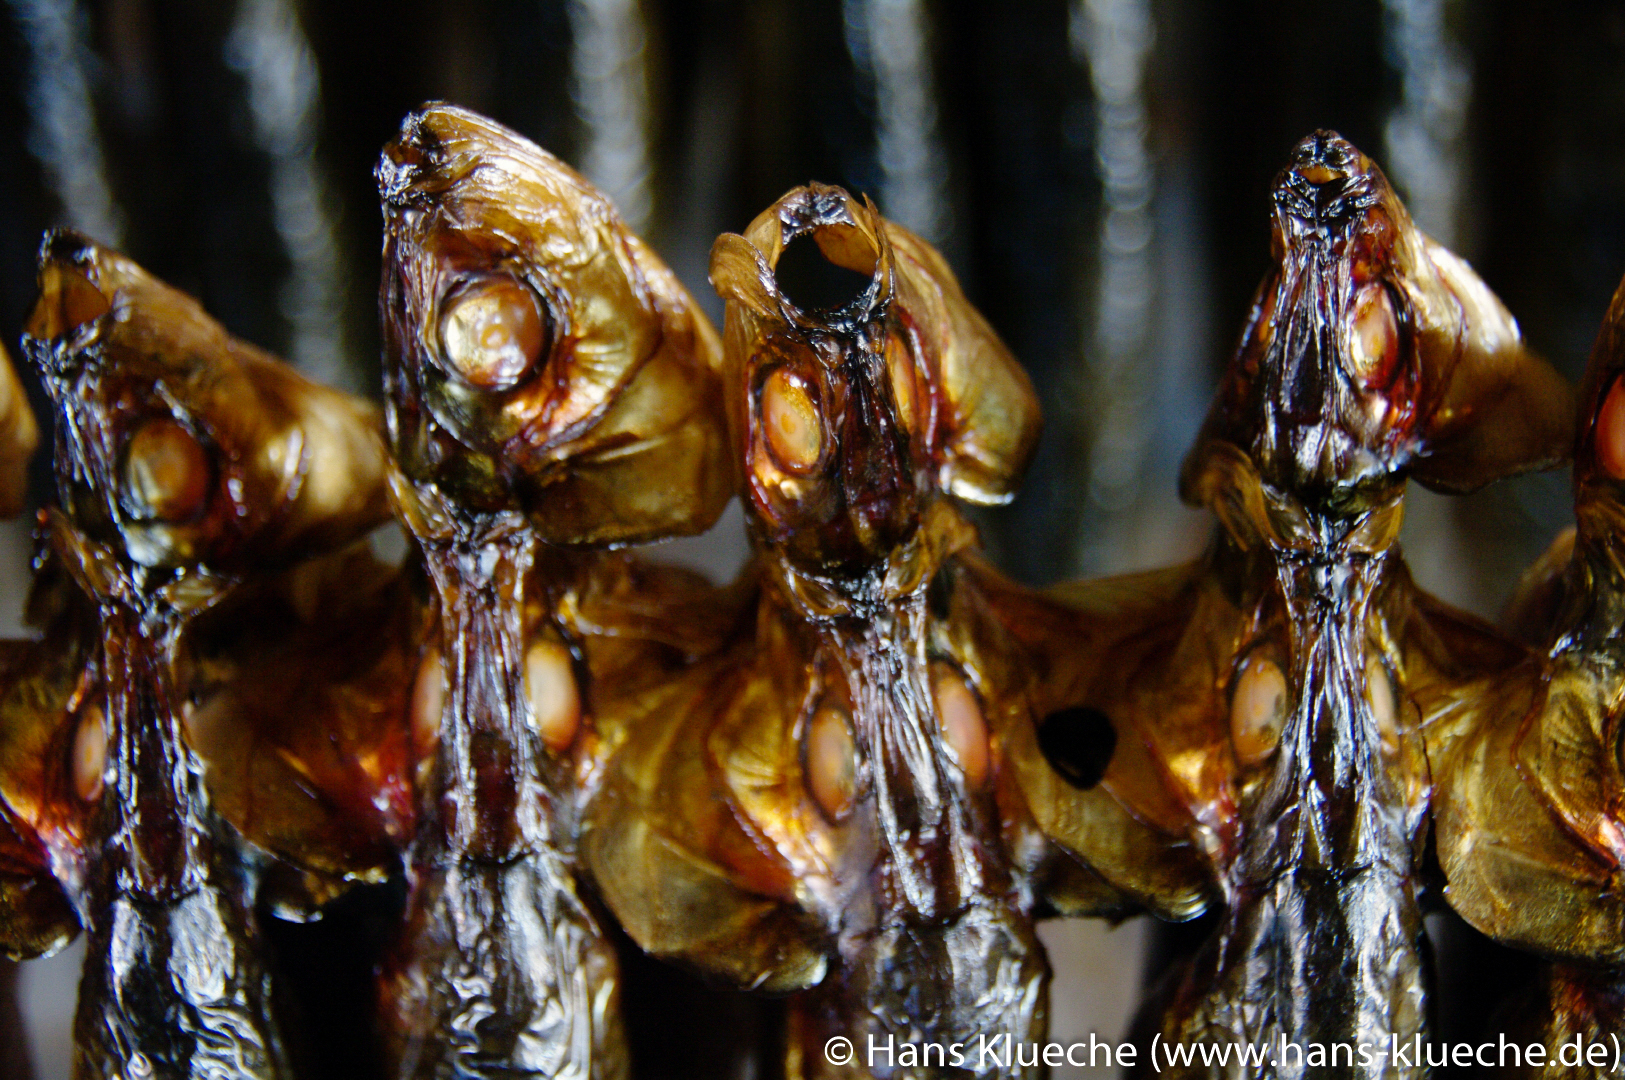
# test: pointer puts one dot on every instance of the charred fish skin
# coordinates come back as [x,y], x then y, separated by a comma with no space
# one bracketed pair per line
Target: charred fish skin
[550,389]
[817,807]
[1529,779]
[183,464]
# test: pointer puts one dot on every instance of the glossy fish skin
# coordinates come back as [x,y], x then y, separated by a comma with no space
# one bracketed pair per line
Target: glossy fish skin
[1327,401]
[19,438]
[821,807]
[187,463]
[550,389]
[1373,356]
[1530,792]
[298,697]
[1269,713]
[42,822]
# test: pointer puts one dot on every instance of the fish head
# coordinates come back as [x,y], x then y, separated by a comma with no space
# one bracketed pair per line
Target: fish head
[535,349]
[861,385]
[180,447]
[1373,354]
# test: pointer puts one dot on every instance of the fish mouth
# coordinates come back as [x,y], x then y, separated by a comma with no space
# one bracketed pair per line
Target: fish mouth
[831,265]
[1328,416]
[1324,195]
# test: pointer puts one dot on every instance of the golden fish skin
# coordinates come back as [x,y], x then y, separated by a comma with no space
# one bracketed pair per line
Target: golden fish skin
[188,465]
[298,691]
[43,704]
[550,389]
[1529,781]
[1268,713]
[19,437]
[820,807]
[594,414]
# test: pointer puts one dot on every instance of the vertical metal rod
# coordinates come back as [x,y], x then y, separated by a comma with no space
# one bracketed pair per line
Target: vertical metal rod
[269,49]
[62,132]
[1424,133]
[889,41]
[1113,38]
[1425,151]
[610,86]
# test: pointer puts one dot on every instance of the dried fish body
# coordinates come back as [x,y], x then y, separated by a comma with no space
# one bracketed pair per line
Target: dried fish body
[35,917]
[187,464]
[1262,711]
[817,808]
[42,818]
[1528,777]
[298,688]
[1373,356]
[19,437]
[550,389]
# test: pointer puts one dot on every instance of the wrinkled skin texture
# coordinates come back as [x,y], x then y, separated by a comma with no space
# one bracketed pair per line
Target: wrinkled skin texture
[1267,703]
[190,467]
[820,807]
[550,387]
[19,437]
[1530,791]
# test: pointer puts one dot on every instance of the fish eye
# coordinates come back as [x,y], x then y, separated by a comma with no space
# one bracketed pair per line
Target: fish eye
[492,332]
[900,366]
[1258,704]
[1384,708]
[166,475]
[1610,433]
[963,724]
[550,687]
[428,701]
[90,752]
[832,761]
[1373,335]
[791,424]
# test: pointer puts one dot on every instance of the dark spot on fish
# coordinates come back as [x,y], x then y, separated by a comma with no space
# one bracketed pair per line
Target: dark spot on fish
[1078,743]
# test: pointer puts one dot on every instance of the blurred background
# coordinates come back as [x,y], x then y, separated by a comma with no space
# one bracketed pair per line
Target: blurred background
[1095,171]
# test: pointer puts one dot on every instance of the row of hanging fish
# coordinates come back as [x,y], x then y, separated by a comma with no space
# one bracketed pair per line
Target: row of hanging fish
[860,773]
